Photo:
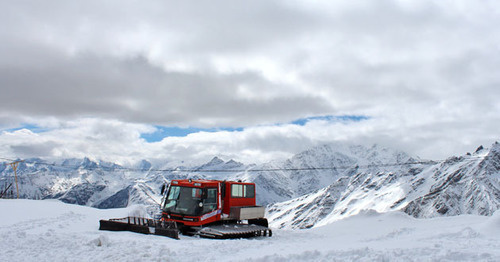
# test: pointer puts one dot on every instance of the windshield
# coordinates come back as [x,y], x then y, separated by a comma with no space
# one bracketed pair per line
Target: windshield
[184,200]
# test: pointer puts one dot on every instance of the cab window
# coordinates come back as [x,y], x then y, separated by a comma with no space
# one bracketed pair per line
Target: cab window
[210,202]
[240,191]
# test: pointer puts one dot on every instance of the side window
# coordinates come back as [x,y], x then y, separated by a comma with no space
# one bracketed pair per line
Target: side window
[250,191]
[236,190]
[173,196]
[210,203]
[239,191]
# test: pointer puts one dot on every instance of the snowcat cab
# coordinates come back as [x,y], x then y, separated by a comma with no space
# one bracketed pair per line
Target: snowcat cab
[213,208]
[208,208]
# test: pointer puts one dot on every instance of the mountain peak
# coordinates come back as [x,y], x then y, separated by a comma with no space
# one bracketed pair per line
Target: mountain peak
[87,163]
[491,161]
[233,164]
[144,165]
[216,161]
[480,148]
[495,147]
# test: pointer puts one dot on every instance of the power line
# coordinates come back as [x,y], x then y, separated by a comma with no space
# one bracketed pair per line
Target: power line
[250,170]
[8,159]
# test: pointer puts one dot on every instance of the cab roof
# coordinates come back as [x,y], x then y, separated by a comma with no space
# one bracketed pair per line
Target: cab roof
[202,182]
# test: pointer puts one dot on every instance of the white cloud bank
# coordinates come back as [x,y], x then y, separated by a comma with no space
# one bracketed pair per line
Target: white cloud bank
[121,142]
[97,75]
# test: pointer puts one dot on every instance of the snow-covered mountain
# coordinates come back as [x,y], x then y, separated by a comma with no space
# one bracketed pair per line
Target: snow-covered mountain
[460,185]
[313,188]
[219,164]
[320,166]
[102,184]
[109,185]
[85,182]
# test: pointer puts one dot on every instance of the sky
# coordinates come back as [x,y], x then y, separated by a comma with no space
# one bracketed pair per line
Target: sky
[246,80]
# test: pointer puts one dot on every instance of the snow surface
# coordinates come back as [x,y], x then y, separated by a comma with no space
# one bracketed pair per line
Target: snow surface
[49,230]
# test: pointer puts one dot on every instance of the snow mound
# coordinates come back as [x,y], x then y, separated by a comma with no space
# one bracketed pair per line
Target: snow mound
[102,240]
[139,211]
[492,226]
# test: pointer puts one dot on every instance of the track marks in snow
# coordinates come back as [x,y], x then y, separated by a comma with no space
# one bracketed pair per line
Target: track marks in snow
[394,234]
[370,254]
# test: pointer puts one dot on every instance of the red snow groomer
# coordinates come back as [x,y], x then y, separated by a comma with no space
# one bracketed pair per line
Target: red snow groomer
[207,208]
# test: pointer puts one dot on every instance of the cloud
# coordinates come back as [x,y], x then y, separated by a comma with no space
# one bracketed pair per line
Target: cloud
[136,91]
[122,142]
[148,64]
[91,137]
[424,73]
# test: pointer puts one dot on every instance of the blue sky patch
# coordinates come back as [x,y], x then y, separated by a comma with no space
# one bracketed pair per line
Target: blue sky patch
[33,128]
[163,131]
[329,118]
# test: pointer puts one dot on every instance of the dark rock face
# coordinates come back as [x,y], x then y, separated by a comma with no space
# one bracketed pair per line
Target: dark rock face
[80,194]
[462,186]
[118,200]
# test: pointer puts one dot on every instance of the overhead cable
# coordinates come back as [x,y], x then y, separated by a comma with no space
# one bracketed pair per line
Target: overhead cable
[250,170]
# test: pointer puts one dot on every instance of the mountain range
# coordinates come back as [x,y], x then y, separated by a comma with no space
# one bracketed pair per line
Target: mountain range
[315,187]
[469,184]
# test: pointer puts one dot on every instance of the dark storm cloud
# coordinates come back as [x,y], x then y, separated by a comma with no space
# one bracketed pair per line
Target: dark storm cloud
[62,62]
[136,91]
[29,149]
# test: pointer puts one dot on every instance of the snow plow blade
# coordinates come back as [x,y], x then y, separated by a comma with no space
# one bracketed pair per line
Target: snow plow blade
[141,225]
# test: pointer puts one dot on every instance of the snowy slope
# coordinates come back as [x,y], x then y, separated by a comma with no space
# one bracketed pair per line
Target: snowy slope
[36,230]
[348,160]
[464,185]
